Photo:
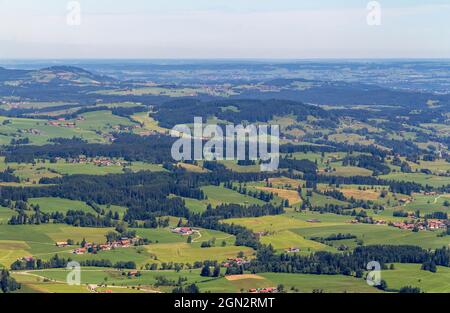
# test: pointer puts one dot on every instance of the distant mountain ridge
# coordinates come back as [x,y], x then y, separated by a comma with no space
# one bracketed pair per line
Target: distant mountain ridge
[54,74]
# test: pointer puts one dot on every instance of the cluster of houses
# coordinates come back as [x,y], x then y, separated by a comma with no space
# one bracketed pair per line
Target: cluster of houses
[61,122]
[93,248]
[32,131]
[184,231]
[97,161]
[264,290]
[107,162]
[235,262]
[126,128]
[432,224]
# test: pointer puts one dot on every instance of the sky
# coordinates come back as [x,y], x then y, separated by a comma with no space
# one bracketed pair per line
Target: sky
[208,29]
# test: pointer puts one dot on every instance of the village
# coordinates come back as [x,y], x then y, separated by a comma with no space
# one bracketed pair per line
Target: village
[264,290]
[62,122]
[87,247]
[413,225]
[432,224]
[99,161]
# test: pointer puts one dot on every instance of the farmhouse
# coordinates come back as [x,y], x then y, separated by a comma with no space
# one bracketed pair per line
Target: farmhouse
[185,231]
[403,225]
[405,200]
[62,244]
[292,250]
[235,261]
[133,274]
[436,224]
[264,290]
[313,221]
[80,251]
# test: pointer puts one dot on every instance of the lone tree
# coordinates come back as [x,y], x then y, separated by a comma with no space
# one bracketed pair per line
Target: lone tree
[206,272]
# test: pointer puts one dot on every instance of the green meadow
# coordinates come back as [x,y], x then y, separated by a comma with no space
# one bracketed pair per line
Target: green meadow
[420,178]
[50,205]
[281,228]
[218,195]
[306,283]
[411,275]
[39,131]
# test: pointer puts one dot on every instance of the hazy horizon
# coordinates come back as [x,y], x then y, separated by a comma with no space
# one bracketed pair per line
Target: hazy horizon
[244,29]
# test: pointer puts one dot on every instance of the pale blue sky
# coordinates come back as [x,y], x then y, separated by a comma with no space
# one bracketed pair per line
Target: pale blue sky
[224,29]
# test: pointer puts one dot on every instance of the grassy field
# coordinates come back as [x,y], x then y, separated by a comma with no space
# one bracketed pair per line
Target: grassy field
[39,240]
[194,205]
[192,168]
[291,195]
[148,123]
[39,131]
[285,239]
[5,215]
[102,121]
[428,204]
[412,275]
[50,205]
[32,173]
[306,283]
[186,253]
[218,195]
[282,227]
[376,234]
[280,182]
[420,178]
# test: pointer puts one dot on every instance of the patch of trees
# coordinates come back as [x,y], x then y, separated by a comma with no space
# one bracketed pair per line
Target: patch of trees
[334,237]
[344,263]
[305,166]
[410,289]
[403,187]
[152,149]
[183,111]
[400,213]
[372,163]
[7,176]
[86,219]
[143,193]
[7,283]
[261,195]
[20,141]
[23,218]
[437,215]
[192,288]
[225,211]
[119,111]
